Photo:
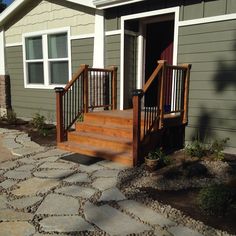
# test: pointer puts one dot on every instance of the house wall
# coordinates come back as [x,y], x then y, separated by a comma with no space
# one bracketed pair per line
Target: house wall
[43,15]
[211,49]
[112,57]
[25,101]
[189,9]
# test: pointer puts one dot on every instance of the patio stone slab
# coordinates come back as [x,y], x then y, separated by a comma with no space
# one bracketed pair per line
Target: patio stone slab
[77,191]
[112,194]
[12,174]
[8,165]
[16,229]
[25,202]
[48,159]
[34,186]
[53,174]
[183,231]
[11,144]
[145,214]
[49,153]
[57,165]
[10,215]
[3,202]
[28,167]
[90,168]
[1,172]
[112,165]
[8,183]
[27,160]
[106,173]
[26,151]
[113,221]
[64,224]
[104,183]
[78,178]
[55,204]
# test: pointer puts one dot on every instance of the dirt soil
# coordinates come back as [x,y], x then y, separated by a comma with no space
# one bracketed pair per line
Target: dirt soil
[27,127]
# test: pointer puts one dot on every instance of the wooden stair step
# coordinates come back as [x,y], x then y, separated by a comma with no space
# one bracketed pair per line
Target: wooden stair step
[94,151]
[107,129]
[107,118]
[101,140]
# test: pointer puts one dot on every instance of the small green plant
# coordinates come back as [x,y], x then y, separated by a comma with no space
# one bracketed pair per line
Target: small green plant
[158,154]
[217,147]
[215,199]
[38,121]
[196,149]
[80,118]
[11,117]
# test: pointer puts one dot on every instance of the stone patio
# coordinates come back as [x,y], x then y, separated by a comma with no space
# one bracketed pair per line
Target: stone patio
[41,194]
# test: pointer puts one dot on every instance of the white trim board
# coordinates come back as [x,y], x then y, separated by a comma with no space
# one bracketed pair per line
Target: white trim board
[13,44]
[2,53]
[172,10]
[208,20]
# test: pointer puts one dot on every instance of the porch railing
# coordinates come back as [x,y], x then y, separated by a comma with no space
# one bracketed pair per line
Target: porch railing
[89,88]
[165,92]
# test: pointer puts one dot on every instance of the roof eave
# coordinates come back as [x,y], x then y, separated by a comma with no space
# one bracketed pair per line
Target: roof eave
[104,4]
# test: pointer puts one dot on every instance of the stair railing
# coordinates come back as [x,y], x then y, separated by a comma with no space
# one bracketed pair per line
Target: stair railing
[165,92]
[89,88]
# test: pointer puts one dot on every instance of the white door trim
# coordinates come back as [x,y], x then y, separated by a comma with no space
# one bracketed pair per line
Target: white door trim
[173,10]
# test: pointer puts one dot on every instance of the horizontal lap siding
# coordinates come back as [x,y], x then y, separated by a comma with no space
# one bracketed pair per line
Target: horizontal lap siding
[27,102]
[81,52]
[112,57]
[211,49]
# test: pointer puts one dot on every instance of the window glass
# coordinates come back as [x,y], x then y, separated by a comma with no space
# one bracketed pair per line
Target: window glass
[35,73]
[34,48]
[59,72]
[57,46]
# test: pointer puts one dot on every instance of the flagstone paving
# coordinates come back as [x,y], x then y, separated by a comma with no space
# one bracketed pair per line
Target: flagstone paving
[42,195]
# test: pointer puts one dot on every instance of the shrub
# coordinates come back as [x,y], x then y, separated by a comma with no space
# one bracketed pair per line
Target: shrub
[38,121]
[217,147]
[215,199]
[11,117]
[196,149]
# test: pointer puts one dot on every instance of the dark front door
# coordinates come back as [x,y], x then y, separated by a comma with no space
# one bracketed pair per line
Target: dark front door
[159,46]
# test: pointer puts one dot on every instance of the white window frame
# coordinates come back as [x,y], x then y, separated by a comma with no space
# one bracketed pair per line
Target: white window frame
[45,59]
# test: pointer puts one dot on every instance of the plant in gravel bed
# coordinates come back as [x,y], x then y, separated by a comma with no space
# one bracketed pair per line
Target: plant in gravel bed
[215,199]
[217,147]
[196,149]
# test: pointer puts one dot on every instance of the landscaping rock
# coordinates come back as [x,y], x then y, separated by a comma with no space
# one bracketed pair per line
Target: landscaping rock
[55,204]
[77,191]
[145,214]
[10,215]
[53,174]
[65,224]
[112,194]
[78,178]
[104,183]
[25,202]
[34,186]
[16,229]
[113,221]
[12,174]
[183,231]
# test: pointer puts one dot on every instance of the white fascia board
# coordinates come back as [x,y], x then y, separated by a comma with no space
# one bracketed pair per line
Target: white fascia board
[109,4]
[2,53]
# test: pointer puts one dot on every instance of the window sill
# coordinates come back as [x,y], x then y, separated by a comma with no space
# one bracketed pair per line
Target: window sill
[41,86]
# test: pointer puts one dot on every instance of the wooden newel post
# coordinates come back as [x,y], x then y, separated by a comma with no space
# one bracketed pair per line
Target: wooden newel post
[137,95]
[114,88]
[59,114]
[162,92]
[85,89]
[186,92]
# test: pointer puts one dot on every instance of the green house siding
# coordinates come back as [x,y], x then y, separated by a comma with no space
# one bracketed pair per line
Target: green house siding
[211,49]
[112,57]
[26,102]
[81,52]
[189,9]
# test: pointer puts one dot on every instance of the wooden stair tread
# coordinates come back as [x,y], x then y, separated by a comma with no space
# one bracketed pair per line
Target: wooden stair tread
[101,137]
[106,126]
